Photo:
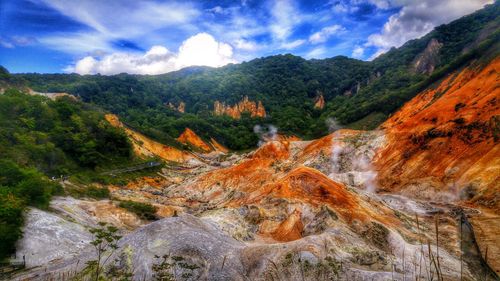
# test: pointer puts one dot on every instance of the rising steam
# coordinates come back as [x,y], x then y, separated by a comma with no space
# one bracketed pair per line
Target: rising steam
[266,133]
[351,164]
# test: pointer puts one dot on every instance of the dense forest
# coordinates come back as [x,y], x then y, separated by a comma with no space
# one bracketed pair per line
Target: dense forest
[42,139]
[358,94]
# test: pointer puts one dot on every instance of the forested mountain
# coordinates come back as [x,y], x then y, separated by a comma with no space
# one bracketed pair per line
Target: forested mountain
[357,93]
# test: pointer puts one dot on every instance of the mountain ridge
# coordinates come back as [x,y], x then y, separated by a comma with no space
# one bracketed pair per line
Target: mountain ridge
[353,90]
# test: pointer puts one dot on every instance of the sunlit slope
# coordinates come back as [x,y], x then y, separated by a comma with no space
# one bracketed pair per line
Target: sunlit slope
[446,139]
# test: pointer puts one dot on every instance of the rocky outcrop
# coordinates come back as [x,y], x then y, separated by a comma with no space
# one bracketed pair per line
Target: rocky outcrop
[319,102]
[189,137]
[426,61]
[219,147]
[52,96]
[48,237]
[144,146]
[256,109]
[180,108]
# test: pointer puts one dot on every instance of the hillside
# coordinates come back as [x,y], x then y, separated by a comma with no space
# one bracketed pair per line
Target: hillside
[287,87]
[42,141]
[447,138]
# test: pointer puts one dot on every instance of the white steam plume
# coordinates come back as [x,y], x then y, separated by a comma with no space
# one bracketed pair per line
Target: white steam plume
[266,133]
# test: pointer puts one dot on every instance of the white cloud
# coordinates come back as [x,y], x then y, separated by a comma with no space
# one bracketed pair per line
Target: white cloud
[15,41]
[6,43]
[285,17]
[203,49]
[246,45]
[325,33]
[119,19]
[200,49]
[358,52]
[417,18]
[216,10]
[77,43]
[292,45]
[84,66]
[316,53]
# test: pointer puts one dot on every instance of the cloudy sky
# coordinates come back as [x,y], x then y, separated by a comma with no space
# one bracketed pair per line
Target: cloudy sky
[152,37]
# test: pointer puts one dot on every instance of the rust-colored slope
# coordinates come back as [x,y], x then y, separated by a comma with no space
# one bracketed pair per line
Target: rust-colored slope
[290,229]
[448,137]
[190,137]
[324,145]
[147,147]
[251,174]
[309,185]
[218,146]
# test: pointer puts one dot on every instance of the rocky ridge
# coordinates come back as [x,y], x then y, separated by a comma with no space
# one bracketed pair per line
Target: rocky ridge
[256,109]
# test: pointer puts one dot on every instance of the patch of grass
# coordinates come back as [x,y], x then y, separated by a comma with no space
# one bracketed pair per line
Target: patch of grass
[143,210]
[369,122]
[90,191]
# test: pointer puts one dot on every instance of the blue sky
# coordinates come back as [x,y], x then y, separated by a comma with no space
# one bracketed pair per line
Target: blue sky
[152,37]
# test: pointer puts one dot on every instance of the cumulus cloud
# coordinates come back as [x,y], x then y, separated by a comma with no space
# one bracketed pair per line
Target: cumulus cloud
[358,52]
[416,18]
[200,49]
[325,33]
[203,49]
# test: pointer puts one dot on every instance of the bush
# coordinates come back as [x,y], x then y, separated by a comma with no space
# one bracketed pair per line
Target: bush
[96,192]
[143,210]
[19,188]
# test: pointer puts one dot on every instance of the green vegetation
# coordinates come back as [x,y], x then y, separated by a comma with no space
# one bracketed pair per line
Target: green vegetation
[91,191]
[41,139]
[19,188]
[105,244]
[145,211]
[57,137]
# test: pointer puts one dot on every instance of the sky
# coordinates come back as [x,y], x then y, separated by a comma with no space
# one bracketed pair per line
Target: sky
[154,37]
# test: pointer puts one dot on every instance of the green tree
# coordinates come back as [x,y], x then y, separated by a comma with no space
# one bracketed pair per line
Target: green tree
[105,244]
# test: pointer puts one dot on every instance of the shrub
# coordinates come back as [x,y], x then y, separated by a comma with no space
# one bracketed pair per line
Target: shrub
[143,210]
[19,187]
[96,192]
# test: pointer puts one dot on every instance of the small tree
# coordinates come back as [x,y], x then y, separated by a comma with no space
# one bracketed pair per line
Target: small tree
[104,242]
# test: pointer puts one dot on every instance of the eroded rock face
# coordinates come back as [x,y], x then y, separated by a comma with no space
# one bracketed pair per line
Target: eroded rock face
[63,233]
[427,60]
[190,137]
[445,141]
[144,146]
[180,108]
[48,237]
[256,109]
[319,102]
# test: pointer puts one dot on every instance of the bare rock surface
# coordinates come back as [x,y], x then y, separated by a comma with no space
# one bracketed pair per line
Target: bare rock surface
[49,237]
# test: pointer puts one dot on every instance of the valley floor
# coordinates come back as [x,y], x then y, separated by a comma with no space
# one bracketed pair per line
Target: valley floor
[287,211]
